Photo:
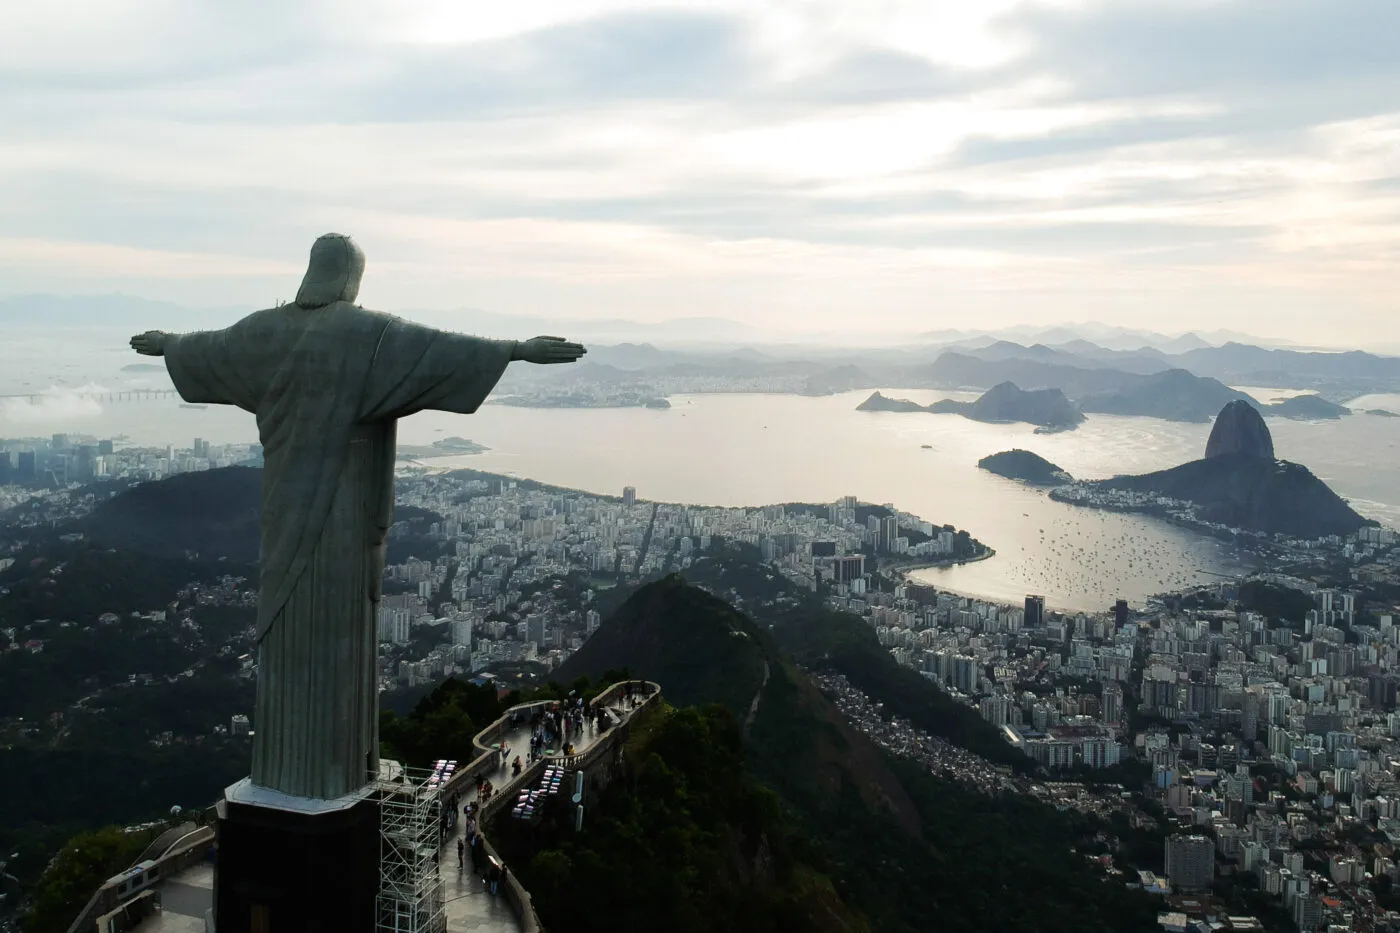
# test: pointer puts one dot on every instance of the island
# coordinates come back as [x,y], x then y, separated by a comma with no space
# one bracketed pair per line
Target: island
[442,447]
[1006,403]
[1381,413]
[459,445]
[1025,467]
[1237,486]
[1306,408]
[880,402]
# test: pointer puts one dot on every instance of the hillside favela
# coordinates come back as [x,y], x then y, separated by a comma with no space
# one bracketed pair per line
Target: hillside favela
[798,467]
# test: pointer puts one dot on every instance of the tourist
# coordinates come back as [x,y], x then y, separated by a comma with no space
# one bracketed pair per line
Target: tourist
[461,853]
[516,766]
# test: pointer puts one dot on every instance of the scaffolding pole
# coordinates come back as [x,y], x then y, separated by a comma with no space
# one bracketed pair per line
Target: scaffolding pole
[410,831]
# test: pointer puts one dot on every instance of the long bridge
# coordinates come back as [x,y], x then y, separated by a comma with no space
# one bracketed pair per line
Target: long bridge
[124,395]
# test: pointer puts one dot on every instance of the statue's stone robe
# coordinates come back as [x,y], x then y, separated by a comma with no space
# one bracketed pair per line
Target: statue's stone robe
[327,385]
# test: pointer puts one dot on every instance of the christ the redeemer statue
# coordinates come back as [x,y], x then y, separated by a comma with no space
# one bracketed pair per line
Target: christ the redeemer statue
[328,380]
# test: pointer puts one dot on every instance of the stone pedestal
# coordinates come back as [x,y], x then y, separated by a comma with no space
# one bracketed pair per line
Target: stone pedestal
[290,865]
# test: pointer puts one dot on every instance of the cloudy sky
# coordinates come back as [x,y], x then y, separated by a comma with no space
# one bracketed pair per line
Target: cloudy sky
[817,165]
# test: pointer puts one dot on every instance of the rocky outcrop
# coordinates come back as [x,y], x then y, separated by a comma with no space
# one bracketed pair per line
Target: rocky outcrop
[1240,429]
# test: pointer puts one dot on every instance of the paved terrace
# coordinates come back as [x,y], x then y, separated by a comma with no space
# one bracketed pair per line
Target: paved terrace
[470,906]
[187,890]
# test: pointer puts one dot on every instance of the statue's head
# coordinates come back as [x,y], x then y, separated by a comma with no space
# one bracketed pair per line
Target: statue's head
[337,264]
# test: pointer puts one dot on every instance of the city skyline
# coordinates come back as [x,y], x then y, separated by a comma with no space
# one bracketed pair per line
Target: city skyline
[922,165]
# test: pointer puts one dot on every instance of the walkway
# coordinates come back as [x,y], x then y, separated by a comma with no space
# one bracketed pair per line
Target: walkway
[469,905]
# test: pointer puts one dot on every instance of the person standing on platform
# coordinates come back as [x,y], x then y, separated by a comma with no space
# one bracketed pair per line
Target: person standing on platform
[461,854]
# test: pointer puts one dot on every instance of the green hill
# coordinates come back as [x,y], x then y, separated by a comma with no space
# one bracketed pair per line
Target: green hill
[821,639]
[213,514]
[809,806]
[701,635]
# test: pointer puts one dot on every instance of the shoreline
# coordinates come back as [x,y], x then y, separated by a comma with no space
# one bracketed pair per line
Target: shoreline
[905,569]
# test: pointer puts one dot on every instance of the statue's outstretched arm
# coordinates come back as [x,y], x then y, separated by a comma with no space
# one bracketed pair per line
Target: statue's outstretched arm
[547,350]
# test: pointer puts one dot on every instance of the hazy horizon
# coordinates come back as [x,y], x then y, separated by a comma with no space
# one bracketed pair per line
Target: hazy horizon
[805,168]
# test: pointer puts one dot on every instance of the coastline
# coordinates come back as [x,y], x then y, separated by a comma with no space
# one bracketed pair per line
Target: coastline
[413,453]
[903,570]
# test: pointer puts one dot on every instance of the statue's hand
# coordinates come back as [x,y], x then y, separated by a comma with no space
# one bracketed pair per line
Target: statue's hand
[549,350]
[151,343]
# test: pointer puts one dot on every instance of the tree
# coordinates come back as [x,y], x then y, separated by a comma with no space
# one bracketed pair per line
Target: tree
[79,869]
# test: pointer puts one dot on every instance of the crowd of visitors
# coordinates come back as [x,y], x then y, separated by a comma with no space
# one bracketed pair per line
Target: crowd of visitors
[555,727]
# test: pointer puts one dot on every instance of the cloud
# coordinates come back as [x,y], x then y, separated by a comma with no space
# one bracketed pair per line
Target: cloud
[684,158]
[54,405]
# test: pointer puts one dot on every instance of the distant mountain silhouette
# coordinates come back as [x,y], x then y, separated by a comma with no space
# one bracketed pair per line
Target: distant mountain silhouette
[1173,395]
[1000,404]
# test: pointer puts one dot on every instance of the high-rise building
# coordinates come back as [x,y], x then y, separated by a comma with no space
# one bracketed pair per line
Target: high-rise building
[1120,613]
[851,567]
[462,632]
[238,725]
[1190,862]
[629,496]
[889,531]
[105,448]
[27,468]
[59,442]
[1035,611]
[1113,703]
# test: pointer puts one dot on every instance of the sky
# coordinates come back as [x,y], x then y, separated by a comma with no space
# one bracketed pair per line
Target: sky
[819,166]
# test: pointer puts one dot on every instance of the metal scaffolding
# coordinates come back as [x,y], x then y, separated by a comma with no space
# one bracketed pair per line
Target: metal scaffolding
[410,832]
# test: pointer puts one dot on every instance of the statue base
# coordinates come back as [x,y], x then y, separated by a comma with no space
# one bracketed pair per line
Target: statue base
[293,864]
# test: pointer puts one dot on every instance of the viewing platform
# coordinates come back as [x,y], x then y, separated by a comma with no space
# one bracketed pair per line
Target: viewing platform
[171,890]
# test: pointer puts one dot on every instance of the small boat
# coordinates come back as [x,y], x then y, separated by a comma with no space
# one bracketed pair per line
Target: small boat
[188,405]
[926,447]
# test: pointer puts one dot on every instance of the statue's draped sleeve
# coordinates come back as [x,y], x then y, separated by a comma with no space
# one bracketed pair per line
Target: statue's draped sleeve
[213,366]
[417,368]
